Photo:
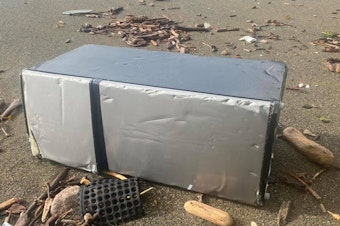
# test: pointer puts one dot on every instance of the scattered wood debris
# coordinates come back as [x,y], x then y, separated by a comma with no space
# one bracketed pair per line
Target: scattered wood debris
[139,31]
[309,188]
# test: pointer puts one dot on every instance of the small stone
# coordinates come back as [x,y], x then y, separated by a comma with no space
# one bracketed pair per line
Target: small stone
[65,200]
[206,25]
[301,85]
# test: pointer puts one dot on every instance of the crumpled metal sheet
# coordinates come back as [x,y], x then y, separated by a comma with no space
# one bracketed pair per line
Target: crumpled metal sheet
[201,123]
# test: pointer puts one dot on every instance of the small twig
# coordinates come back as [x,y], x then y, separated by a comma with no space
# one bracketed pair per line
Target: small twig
[116,175]
[51,221]
[63,215]
[15,103]
[53,185]
[227,29]
[146,190]
[36,217]
[296,89]
[318,174]
[212,47]
[322,207]
[316,195]
[5,132]
[183,28]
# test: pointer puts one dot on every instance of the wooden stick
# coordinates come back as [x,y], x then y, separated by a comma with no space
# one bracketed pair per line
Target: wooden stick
[53,185]
[322,207]
[15,103]
[6,204]
[226,29]
[52,220]
[182,28]
[318,173]
[209,213]
[36,217]
[146,190]
[5,132]
[309,188]
[116,175]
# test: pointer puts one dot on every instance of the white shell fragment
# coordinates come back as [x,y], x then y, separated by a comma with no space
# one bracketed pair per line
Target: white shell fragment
[248,39]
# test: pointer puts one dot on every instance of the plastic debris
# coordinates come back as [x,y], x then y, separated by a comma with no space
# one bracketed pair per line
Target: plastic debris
[248,39]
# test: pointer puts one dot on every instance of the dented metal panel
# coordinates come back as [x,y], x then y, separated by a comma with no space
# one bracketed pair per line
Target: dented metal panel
[58,117]
[207,143]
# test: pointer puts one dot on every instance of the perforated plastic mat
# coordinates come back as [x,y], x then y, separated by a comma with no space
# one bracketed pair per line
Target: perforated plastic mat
[116,201]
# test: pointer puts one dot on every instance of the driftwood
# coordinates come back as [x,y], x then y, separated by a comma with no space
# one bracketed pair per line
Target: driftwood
[116,175]
[227,29]
[6,204]
[216,216]
[310,149]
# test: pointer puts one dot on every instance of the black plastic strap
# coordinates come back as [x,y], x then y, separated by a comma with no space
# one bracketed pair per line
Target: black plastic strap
[97,127]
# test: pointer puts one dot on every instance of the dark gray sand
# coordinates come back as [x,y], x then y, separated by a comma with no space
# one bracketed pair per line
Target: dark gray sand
[28,35]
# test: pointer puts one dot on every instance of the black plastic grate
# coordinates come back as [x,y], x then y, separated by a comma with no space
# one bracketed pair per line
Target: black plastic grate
[116,201]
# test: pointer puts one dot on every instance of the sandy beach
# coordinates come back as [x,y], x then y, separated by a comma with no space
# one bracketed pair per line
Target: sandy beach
[29,36]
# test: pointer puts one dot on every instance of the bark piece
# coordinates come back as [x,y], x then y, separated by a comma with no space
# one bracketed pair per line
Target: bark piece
[283,213]
[6,204]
